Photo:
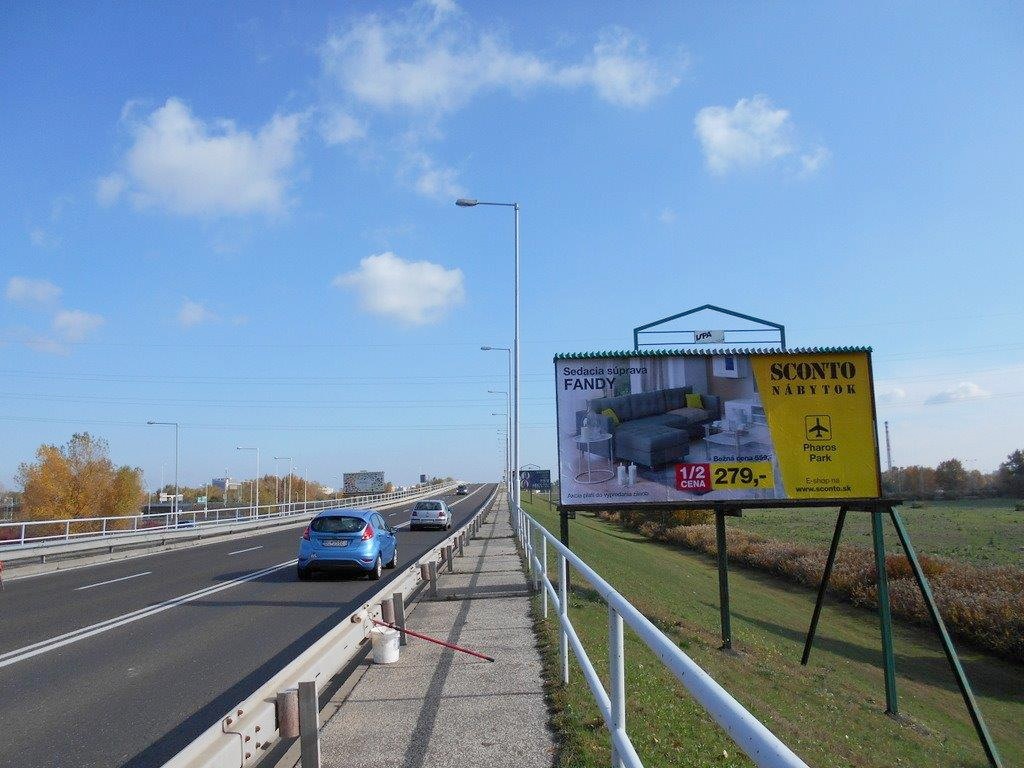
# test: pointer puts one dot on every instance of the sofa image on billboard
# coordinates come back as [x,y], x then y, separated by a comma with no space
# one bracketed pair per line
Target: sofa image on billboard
[652,429]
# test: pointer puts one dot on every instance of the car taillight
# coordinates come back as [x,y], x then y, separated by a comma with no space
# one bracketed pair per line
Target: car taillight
[368,532]
[305,533]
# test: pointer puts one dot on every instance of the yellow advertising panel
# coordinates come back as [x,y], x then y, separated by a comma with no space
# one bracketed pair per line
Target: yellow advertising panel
[820,410]
[699,427]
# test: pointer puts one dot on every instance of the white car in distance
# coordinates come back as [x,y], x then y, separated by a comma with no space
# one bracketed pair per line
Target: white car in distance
[430,513]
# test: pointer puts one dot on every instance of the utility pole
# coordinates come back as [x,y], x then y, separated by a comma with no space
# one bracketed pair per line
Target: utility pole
[888,449]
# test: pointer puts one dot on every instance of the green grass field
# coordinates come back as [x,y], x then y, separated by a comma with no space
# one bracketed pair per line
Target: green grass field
[980,531]
[831,713]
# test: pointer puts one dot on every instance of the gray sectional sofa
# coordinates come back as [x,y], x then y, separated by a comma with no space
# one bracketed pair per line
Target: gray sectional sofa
[655,428]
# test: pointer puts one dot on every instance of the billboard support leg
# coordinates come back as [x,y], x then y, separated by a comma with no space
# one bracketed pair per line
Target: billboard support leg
[947,643]
[884,616]
[563,535]
[824,585]
[723,579]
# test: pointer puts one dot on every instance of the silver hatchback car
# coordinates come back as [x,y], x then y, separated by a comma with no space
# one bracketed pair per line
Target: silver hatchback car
[430,513]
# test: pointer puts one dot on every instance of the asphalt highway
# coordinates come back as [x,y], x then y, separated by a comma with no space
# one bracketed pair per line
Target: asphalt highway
[124,663]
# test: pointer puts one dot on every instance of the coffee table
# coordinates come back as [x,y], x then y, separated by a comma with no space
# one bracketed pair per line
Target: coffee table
[591,474]
[727,439]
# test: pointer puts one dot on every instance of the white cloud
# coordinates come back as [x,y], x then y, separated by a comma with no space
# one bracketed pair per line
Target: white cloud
[76,325]
[31,290]
[414,292]
[964,391]
[811,162]
[667,216]
[432,180]
[893,395]
[41,238]
[750,134]
[109,189]
[621,71]
[45,344]
[193,313]
[339,127]
[193,168]
[753,133]
[431,58]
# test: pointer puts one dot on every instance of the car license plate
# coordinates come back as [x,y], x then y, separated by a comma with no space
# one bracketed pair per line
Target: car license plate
[335,543]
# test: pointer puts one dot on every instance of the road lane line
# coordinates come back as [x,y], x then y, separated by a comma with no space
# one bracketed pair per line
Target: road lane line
[112,581]
[43,646]
[250,549]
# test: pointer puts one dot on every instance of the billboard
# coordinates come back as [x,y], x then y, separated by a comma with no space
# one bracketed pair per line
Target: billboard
[535,479]
[364,482]
[693,427]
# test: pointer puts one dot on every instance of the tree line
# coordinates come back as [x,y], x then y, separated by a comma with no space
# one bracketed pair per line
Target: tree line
[78,479]
[951,479]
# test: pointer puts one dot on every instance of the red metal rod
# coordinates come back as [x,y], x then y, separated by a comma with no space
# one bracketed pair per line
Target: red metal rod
[430,639]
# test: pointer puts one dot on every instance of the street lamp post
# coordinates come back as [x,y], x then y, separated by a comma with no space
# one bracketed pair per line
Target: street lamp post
[288,482]
[508,433]
[513,435]
[247,448]
[463,202]
[508,458]
[174,501]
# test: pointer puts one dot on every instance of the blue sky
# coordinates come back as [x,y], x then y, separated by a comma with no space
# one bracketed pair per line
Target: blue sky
[239,216]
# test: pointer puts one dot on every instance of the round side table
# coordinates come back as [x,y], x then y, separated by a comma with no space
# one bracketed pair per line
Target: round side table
[594,474]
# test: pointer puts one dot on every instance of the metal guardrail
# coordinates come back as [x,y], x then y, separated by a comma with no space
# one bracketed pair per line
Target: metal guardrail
[121,526]
[749,733]
[244,735]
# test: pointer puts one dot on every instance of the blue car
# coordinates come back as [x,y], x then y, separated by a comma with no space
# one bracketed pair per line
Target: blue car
[347,540]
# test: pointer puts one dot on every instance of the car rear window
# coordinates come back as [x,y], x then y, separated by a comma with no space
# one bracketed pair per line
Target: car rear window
[428,505]
[337,524]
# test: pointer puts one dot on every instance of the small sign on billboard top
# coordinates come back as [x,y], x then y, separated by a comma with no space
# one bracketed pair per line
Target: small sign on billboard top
[709,337]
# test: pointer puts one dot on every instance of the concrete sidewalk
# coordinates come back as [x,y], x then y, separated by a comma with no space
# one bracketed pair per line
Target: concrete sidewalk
[438,708]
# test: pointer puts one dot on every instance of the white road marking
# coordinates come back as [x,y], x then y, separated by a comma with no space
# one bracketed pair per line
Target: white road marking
[113,581]
[250,549]
[43,646]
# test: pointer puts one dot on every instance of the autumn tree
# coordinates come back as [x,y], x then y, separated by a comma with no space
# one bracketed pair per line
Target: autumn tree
[951,477]
[78,480]
[1010,475]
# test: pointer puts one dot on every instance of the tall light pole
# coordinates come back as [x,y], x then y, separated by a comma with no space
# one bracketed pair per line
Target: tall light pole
[277,469]
[246,448]
[508,432]
[174,502]
[508,458]
[513,471]
[463,202]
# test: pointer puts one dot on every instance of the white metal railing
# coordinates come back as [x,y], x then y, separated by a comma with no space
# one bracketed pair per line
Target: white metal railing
[83,528]
[244,735]
[749,733]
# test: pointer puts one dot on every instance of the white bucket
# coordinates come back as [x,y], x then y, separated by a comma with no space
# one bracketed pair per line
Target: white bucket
[385,645]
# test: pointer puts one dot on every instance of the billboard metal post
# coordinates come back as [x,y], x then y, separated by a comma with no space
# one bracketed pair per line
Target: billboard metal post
[885,619]
[947,643]
[829,562]
[723,580]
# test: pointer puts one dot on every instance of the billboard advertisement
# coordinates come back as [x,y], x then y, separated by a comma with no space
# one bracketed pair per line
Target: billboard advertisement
[693,427]
[364,482]
[535,479]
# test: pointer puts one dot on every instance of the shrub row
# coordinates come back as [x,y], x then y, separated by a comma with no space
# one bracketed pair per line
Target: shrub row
[982,605]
